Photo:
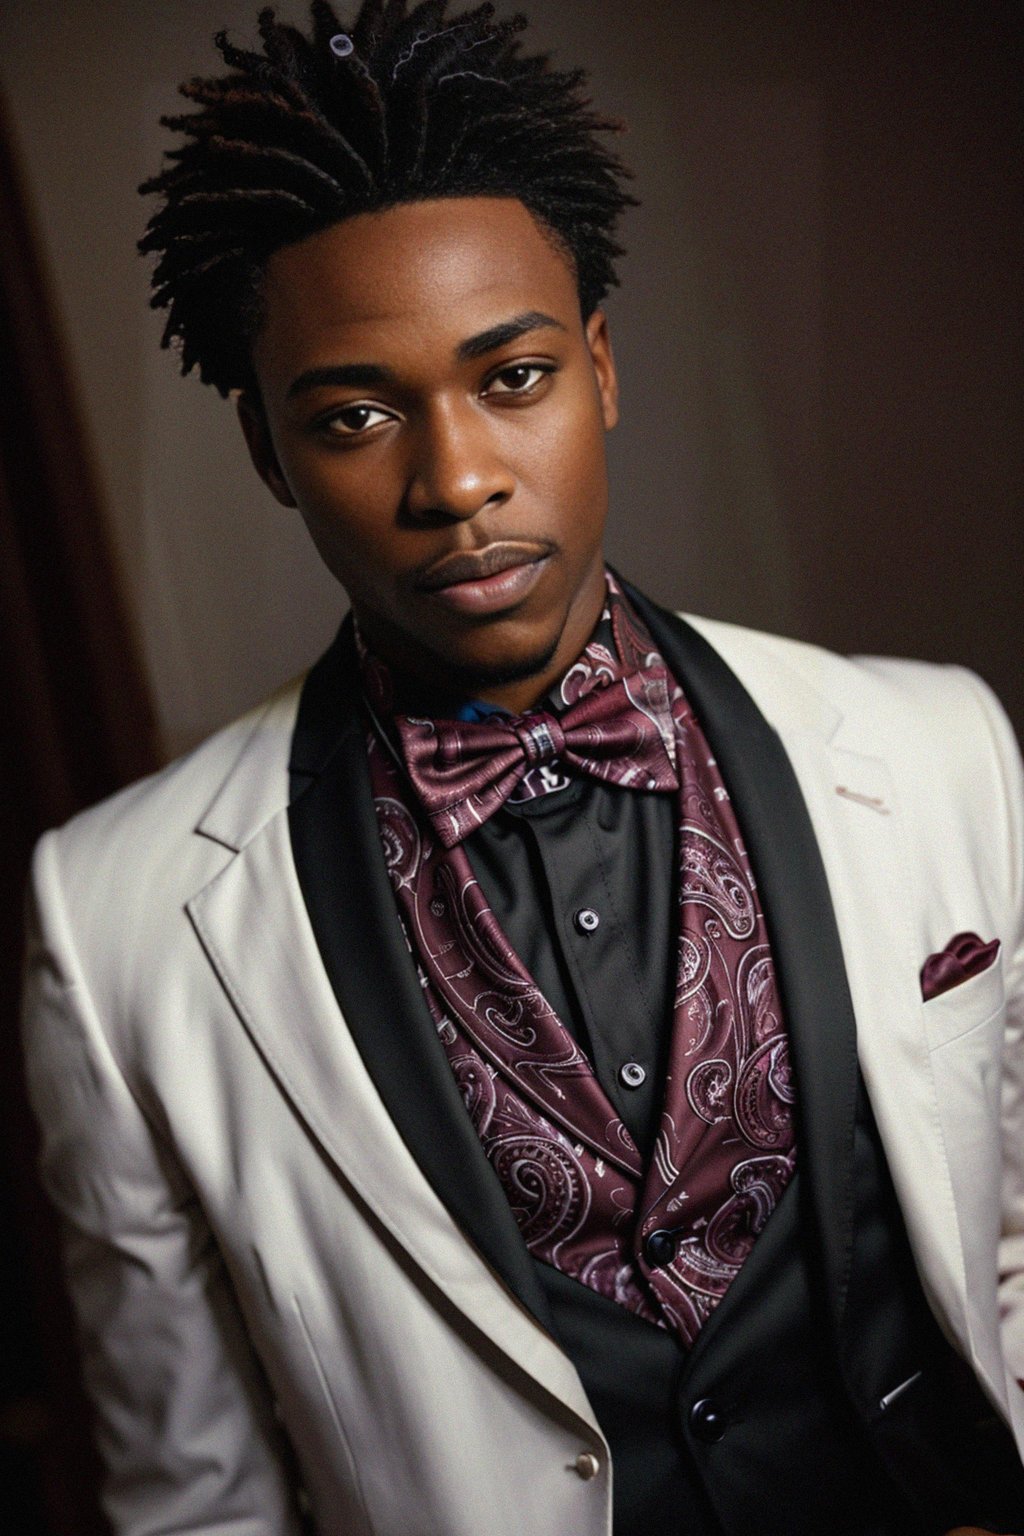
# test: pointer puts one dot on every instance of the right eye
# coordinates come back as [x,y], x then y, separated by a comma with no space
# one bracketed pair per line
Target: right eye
[354,420]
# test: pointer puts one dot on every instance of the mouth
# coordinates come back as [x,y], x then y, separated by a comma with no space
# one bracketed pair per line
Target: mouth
[473,565]
[487,580]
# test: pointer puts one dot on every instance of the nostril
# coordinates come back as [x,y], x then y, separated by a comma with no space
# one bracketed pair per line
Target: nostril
[458,506]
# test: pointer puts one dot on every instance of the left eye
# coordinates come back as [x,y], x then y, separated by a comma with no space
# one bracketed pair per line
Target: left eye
[352,420]
[517,380]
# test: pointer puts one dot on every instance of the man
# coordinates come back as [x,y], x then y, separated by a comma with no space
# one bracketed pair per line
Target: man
[449,1074]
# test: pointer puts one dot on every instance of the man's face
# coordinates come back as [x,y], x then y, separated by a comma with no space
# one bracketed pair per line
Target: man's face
[434,406]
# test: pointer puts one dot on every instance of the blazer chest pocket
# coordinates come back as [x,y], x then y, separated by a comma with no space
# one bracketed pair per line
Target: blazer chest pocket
[954,1014]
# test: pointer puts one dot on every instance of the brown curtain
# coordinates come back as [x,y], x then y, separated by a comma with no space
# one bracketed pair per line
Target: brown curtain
[75,723]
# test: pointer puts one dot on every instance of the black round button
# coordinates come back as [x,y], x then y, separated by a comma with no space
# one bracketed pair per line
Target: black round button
[659,1248]
[707,1421]
[586,920]
[632,1074]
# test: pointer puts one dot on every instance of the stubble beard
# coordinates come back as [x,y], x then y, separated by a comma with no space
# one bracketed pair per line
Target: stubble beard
[472,681]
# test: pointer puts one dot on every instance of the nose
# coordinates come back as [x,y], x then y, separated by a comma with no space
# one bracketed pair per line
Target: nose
[456,467]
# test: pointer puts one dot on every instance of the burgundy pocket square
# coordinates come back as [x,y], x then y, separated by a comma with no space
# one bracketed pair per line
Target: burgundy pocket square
[963,957]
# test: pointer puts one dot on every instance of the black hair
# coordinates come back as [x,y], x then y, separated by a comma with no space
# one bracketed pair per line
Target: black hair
[402,106]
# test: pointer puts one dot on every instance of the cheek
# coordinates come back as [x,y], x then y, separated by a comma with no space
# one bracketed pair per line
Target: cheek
[561,458]
[584,488]
[346,546]
[347,512]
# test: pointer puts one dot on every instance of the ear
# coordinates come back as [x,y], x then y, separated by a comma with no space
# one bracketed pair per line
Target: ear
[256,431]
[600,344]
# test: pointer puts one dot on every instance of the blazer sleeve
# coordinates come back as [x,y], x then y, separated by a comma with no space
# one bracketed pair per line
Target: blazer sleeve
[184,1418]
[1009,810]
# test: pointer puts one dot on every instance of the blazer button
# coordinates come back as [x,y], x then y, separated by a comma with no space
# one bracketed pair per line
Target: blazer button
[659,1248]
[587,1465]
[707,1421]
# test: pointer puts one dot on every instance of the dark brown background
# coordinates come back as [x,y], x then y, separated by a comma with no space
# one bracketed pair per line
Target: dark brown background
[820,341]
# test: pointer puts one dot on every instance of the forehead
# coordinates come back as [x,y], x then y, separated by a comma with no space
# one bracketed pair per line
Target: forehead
[421,273]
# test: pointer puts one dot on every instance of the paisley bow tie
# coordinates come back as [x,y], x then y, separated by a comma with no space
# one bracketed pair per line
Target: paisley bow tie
[463,771]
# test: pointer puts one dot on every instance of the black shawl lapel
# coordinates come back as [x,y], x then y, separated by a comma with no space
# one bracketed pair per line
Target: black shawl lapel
[352,910]
[791,880]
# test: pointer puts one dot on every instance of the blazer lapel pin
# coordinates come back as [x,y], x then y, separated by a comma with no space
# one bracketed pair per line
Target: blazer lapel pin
[963,957]
[873,802]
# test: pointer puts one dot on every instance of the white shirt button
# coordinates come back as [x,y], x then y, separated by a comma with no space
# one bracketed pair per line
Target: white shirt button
[586,920]
[632,1074]
[587,1465]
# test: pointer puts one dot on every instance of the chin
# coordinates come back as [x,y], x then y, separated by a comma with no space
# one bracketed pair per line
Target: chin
[475,660]
[472,677]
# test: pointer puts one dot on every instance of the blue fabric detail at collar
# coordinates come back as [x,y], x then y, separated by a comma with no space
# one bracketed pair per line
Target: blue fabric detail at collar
[478,709]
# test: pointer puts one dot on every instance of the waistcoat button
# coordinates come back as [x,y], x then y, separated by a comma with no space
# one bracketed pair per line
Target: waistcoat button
[586,920]
[587,1465]
[659,1248]
[632,1074]
[707,1421]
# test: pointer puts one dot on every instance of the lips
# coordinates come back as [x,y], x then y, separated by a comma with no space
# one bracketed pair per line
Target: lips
[483,584]
[478,565]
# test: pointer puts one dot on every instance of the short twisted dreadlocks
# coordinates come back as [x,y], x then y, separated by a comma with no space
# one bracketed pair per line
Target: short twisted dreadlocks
[406,105]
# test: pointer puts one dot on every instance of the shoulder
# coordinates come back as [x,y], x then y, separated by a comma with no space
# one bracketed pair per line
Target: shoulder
[893,704]
[136,854]
[947,747]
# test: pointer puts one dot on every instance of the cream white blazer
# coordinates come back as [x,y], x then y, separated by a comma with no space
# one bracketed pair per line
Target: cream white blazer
[258,1263]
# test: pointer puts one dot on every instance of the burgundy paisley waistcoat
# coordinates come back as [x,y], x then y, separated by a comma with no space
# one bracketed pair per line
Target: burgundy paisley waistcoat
[577,1186]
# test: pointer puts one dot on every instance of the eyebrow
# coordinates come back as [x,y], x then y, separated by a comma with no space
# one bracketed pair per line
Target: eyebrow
[355,375]
[367,375]
[508,330]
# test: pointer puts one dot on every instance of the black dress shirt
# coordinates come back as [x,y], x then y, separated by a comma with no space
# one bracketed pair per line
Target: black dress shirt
[582,882]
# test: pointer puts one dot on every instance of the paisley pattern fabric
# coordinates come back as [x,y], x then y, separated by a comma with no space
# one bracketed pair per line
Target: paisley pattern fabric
[575,1181]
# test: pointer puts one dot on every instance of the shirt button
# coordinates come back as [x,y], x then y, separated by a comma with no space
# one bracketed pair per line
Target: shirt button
[587,1465]
[659,1248]
[632,1074]
[586,920]
[707,1421]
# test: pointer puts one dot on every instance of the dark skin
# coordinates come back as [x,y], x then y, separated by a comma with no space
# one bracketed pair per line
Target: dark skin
[428,391]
